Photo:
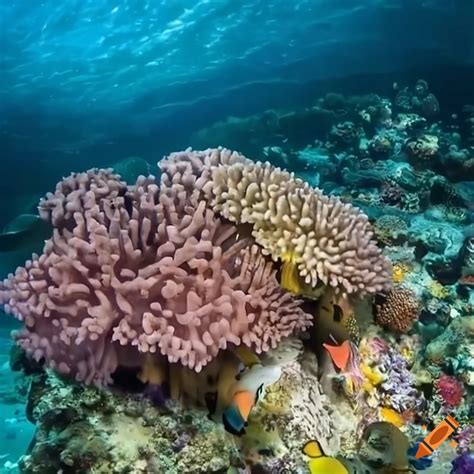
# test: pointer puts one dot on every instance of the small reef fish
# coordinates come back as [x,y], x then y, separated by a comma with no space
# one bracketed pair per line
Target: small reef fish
[247,359]
[339,354]
[25,232]
[319,463]
[245,394]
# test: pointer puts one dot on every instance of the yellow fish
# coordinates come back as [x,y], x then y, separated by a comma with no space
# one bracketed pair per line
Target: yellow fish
[319,463]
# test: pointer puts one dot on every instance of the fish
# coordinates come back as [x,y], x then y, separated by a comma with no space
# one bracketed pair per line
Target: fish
[245,394]
[247,359]
[26,231]
[339,354]
[319,463]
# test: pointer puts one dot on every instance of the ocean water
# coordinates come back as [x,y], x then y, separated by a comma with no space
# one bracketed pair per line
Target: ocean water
[88,84]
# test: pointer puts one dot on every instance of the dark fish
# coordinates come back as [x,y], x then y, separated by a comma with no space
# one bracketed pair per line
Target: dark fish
[25,232]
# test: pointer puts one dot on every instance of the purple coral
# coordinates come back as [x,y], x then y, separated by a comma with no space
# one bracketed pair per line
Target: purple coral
[143,269]
[463,464]
[399,385]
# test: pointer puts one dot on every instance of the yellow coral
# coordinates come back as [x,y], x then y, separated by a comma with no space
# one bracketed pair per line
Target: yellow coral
[373,377]
[407,353]
[399,272]
[392,416]
[437,290]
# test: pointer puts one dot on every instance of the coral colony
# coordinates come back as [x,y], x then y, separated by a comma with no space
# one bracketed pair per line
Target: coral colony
[234,317]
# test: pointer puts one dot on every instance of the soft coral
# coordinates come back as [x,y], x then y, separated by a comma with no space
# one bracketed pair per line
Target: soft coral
[450,389]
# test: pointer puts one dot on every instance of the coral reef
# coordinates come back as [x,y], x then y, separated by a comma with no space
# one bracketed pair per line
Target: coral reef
[170,294]
[328,242]
[84,429]
[138,269]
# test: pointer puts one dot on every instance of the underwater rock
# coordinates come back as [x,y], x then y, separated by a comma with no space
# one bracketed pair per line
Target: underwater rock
[81,429]
[390,229]
[380,146]
[363,178]
[297,407]
[84,429]
[468,124]
[458,163]
[344,135]
[422,150]
[418,99]
[455,346]
[442,243]
[384,446]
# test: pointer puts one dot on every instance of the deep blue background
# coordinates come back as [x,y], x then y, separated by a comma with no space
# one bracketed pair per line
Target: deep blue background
[88,82]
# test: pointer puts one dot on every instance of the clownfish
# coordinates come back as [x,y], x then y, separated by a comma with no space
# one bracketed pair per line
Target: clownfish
[319,463]
[245,394]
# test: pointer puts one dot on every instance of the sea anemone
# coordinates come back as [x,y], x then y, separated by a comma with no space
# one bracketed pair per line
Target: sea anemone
[450,389]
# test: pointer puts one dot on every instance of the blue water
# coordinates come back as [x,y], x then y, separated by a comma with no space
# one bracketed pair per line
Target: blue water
[89,82]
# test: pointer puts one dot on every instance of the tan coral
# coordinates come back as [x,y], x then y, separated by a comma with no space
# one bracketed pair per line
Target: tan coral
[325,241]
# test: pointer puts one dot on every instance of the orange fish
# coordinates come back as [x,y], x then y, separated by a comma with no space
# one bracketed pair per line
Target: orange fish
[339,354]
[236,415]
[246,392]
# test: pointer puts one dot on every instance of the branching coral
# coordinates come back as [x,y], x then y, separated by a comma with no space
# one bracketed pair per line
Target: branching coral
[324,241]
[397,310]
[147,268]
[164,269]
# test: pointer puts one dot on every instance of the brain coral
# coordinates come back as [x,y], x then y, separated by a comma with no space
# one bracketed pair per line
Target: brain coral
[397,310]
[143,269]
[329,242]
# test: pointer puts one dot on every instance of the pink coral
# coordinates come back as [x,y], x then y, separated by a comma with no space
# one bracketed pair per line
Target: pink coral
[450,389]
[143,269]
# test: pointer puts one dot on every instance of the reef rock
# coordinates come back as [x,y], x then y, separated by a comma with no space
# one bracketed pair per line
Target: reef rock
[296,410]
[85,429]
